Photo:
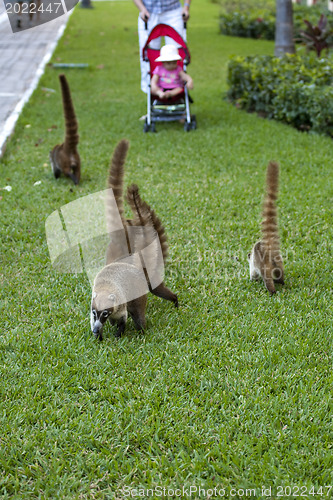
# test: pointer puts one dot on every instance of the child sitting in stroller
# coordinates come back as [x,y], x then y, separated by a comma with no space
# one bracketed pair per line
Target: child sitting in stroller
[169,78]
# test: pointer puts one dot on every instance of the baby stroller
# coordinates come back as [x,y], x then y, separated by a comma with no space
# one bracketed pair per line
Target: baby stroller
[177,108]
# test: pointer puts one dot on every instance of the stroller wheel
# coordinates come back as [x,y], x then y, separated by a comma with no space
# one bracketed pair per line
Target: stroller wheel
[146,127]
[193,122]
[187,126]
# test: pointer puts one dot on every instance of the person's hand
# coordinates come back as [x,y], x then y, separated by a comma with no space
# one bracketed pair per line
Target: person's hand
[161,94]
[186,13]
[144,14]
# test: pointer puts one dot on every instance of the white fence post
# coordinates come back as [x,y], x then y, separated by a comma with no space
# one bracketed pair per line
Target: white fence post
[330,5]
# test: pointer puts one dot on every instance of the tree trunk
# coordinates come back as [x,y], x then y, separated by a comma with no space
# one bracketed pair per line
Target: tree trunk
[284,32]
[86,4]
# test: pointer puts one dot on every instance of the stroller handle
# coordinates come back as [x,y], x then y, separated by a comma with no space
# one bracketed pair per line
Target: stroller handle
[146,22]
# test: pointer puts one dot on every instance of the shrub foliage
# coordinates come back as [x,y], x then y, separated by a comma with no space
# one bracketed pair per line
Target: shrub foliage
[317,37]
[293,89]
[259,22]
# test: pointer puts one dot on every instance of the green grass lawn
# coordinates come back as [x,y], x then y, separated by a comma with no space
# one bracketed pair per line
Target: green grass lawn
[234,389]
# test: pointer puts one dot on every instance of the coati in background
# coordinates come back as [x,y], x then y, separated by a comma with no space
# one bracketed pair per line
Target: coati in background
[64,157]
[135,258]
[265,259]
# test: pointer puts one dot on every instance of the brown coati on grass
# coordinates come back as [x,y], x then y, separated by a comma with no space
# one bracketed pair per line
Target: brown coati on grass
[265,260]
[135,258]
[64,157]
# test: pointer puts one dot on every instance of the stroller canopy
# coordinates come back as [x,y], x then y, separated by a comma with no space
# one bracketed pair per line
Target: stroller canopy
[149,54]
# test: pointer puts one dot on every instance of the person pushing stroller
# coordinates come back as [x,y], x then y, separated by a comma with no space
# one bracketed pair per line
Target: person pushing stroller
[169,78]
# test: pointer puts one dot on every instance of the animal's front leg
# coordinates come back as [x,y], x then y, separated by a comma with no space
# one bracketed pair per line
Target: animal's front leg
[121,327]
[112,321]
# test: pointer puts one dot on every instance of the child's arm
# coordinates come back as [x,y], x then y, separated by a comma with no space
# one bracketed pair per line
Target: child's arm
[155,89]
[186,78]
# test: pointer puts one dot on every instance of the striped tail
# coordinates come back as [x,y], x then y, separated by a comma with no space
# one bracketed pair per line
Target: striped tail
[145,216]
[270,234]
[120,245]
[116,174]
[71,125]
[153,248]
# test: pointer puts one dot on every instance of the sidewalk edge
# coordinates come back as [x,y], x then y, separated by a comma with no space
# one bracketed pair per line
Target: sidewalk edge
[10,123]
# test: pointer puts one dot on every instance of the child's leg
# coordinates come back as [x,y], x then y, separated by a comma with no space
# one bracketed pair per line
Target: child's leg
[173,92]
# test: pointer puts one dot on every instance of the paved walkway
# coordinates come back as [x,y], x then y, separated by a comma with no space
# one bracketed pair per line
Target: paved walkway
[23,56]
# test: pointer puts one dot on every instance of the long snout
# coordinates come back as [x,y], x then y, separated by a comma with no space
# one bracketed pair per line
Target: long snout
[97,330]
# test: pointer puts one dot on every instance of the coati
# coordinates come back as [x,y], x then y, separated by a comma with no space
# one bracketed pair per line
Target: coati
[135,258]
[64,157]
[265,259]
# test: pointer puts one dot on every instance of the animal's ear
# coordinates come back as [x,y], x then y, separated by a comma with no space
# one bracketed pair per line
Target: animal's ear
[112,297]
[94,295]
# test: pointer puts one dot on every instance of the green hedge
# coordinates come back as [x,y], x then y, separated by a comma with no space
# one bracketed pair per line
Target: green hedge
[292,89]
[254,24]
[260,23]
